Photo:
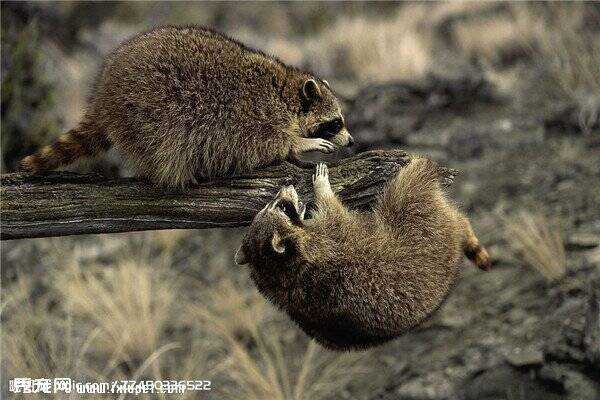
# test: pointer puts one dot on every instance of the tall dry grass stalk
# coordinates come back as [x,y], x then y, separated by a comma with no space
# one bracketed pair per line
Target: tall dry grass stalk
[274,373]
[232,305]
[96,323]
[538,243]
[571,56]
[395,48]
[38,341]
[131,304]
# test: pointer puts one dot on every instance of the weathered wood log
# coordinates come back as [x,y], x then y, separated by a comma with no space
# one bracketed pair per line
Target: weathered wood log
[63,203]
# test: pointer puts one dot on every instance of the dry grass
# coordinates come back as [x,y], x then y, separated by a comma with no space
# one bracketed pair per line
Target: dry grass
[555,40]
[371,51]
[96,323]
[38,341]
[570,55]
[272,372]
[167,240]
[493,38]
[360,48]
[265,359]
[419,39]
[572,52]
[32,344]
[114,308]
[230,305]
[134,294]
[538,243]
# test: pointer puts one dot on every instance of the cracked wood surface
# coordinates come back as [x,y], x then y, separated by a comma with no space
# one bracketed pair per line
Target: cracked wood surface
[62,203]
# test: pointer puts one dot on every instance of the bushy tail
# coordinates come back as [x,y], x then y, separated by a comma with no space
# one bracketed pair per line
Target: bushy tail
[416,194]
[474,250]
[410,194]
[83,141]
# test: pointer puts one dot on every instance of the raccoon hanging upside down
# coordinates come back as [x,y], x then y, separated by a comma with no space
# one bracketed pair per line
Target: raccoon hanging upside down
[188,103]
[353,280]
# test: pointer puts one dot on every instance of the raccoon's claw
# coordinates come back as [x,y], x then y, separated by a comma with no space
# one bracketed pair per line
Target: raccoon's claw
[321,179]
[314,144]
[321,172]
[325,146]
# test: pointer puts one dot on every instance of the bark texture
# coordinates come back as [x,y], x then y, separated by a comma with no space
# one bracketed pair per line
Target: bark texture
[63,203]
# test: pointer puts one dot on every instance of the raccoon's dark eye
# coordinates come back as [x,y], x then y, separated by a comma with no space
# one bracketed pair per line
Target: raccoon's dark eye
[329,128]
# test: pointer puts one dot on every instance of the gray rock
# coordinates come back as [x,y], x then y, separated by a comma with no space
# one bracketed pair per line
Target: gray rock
[396,112]
[576,385]
[503,382]
[582,241]
[525,357]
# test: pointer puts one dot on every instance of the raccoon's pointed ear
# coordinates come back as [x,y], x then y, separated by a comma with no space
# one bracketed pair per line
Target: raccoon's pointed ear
[240,256]
[311,90]
[277,242]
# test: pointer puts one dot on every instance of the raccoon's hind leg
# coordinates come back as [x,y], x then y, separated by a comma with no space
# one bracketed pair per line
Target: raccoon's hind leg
[166,165]
[472,248]
[173,172]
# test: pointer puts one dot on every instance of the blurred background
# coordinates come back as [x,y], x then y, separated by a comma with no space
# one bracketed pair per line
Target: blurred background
[507,93]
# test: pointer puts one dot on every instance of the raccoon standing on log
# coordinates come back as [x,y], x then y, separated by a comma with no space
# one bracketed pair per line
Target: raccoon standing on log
[354,280]
[188,103]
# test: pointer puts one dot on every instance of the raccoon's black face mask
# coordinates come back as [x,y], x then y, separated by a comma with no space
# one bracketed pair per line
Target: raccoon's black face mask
[329,129]
[335,131]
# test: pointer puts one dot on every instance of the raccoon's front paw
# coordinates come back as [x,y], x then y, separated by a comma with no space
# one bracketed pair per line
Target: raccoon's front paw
[324,146]
[320,180]
[313,144]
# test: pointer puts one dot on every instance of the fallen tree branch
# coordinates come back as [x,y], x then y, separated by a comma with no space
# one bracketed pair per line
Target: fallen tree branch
[62,203]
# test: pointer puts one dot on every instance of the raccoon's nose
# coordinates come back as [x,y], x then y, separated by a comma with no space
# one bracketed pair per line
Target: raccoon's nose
[350,141]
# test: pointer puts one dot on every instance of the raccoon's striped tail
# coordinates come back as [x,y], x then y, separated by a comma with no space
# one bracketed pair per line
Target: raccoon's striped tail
[83,141]
[474,250]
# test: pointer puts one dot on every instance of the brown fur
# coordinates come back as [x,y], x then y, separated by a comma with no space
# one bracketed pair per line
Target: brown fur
[353,280]
[183,103]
